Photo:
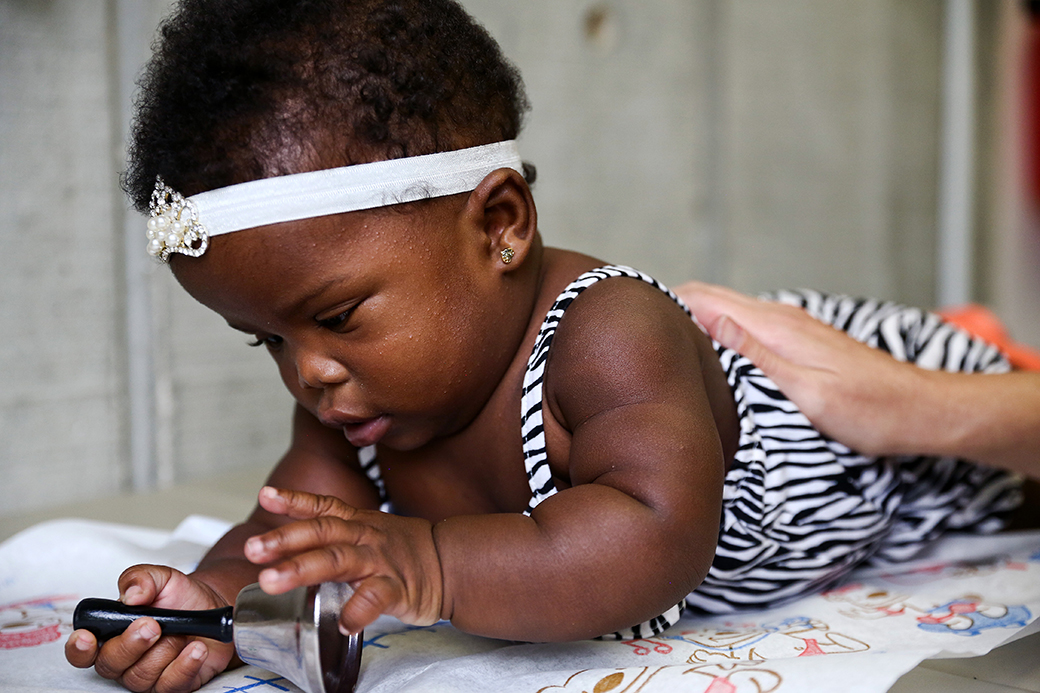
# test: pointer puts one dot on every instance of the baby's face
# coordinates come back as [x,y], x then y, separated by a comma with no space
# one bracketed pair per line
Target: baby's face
[381,323]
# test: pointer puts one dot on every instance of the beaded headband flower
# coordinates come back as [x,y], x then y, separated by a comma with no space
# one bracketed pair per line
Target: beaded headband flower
[184,225]
[173,226]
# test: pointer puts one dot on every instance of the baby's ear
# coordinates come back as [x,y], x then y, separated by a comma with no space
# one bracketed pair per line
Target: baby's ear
[502,208]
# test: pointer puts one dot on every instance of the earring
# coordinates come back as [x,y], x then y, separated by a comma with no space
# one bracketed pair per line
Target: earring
[507,255]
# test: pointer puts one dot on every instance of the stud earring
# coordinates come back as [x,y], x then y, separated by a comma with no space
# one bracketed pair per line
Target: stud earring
[507,255]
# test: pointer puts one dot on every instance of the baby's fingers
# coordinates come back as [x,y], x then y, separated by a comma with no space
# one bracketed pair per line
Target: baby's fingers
[372,597]
[123,652]
[81,649]
[339,562]
[185,673]
[305,535]
[141,584]
[300,505]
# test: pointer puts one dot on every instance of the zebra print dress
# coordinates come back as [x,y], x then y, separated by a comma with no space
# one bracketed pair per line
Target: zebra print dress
[801,510]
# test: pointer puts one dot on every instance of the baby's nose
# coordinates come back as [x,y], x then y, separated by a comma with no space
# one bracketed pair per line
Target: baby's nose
[316,371]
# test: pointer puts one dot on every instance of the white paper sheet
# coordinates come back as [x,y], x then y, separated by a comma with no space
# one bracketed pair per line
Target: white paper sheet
[969,595]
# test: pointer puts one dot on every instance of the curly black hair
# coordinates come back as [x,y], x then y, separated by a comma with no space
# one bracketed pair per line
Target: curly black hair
[244,89]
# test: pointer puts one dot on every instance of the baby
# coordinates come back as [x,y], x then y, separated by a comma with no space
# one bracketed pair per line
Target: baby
[522,440]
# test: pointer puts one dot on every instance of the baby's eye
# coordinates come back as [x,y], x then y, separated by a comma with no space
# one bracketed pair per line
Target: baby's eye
[337,322]
[271,342]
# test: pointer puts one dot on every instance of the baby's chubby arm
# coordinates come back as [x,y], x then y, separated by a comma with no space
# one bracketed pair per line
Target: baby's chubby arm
[628,420]
[629,427]
[141,659]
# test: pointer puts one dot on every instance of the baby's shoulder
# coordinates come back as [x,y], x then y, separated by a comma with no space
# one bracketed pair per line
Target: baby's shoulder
[589,296]
[627,304]
[623,333]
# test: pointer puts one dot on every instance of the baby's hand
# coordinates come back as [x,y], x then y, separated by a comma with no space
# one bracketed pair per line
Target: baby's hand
[390,561]
[142,659]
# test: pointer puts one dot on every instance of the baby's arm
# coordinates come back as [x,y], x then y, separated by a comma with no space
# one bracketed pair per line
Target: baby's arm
[631,536]
[319,460]
[638,527]
[868,400]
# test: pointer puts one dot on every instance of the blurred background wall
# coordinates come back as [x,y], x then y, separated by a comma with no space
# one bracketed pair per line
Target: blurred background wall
[754,143]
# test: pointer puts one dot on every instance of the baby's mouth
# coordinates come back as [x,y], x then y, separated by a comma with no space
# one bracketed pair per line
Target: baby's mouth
[367,432]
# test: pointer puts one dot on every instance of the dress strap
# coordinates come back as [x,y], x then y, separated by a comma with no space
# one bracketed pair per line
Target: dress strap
[370,466]
[531,422]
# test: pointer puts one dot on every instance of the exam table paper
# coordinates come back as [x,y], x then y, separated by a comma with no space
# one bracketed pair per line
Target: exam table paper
[969,595]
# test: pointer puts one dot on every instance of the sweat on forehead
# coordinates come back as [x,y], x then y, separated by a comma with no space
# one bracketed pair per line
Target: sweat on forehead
[239,90]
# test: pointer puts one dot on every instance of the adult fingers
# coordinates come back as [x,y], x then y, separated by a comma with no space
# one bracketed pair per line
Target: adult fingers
[774,325]
[709,301]
[730,334]
[790,377]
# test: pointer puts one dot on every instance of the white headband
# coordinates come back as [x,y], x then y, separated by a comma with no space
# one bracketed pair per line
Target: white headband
[184,225]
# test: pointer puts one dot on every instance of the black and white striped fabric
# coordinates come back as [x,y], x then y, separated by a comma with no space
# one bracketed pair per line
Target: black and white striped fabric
[370,466]
[800,510]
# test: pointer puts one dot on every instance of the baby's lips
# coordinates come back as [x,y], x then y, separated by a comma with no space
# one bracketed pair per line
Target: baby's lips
[367,432]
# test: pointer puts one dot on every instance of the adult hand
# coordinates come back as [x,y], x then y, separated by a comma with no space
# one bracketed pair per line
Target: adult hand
[390,561]
[853,393]
[865,398]
[142,659]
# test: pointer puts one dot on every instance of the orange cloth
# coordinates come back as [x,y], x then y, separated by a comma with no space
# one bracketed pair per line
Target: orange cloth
[982,323]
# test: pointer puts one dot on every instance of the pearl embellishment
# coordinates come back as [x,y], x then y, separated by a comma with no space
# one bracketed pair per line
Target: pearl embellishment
[173,226]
